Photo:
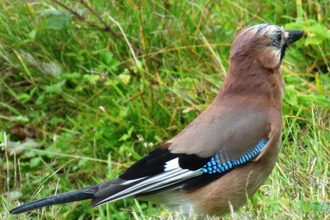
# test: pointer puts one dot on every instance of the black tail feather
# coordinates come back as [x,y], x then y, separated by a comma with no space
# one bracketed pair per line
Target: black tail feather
[78,195]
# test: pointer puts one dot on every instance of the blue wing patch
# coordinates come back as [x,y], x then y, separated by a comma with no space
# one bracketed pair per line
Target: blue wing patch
[216,166]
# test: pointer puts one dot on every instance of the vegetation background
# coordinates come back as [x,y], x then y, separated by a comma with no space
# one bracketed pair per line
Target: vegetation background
[89,87]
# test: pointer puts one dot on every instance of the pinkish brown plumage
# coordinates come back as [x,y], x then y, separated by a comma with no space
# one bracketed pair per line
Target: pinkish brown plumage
[223,156]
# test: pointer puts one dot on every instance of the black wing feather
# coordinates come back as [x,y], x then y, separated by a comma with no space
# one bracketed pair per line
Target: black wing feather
[154,162]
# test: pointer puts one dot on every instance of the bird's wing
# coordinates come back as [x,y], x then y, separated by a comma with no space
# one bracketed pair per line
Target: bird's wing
[233,128]
[214,143]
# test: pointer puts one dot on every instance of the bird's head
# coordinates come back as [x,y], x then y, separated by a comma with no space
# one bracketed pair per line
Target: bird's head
[262,43]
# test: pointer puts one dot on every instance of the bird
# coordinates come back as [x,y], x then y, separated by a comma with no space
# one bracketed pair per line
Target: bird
[226,153]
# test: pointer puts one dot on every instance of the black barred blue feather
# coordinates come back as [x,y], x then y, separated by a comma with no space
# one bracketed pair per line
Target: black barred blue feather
[216,166]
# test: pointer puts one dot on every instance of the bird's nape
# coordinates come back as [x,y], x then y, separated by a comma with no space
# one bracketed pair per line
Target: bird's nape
[223,156]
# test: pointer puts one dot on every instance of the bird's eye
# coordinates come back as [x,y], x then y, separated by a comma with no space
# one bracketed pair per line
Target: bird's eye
[279,37]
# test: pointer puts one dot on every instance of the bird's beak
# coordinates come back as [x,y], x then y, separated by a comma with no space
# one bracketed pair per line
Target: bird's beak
[292,36]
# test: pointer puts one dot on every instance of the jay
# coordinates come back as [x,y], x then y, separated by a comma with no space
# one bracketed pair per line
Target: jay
[222,157]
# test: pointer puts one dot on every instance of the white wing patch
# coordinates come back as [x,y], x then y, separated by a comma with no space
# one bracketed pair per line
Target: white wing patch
[172,164]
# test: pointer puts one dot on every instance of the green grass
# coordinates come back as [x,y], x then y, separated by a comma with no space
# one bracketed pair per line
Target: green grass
[101,100]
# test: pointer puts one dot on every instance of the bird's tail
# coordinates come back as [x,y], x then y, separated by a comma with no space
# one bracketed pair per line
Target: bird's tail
[73,196]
